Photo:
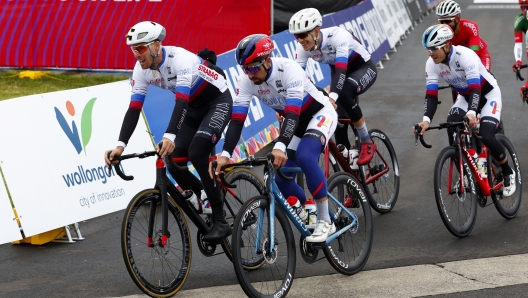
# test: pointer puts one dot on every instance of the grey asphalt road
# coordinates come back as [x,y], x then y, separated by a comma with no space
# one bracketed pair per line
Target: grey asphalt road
[411,234]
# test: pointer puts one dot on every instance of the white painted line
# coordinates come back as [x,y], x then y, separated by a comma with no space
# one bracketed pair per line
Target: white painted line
[497,1]
[493,6]
[410,281]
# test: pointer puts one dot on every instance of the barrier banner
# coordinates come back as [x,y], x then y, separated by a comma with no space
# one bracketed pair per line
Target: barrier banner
[90,35]
[389,17]
[414,9]
[9,230]
[52,155]
[401,13]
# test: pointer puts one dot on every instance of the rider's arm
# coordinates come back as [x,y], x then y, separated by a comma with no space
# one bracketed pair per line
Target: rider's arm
[294,80]
[431,93]
[139,91]
[474,37]
[238,116]
[342,47]
[518,35]
[470,63]
[184,68]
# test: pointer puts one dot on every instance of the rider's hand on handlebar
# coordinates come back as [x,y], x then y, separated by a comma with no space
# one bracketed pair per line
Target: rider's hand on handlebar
[332,101]
[472,120]
[525,86]
[220,161]
[167,146]
[424,125]
[279,117]
[279,158]
[113,153]
[516,66]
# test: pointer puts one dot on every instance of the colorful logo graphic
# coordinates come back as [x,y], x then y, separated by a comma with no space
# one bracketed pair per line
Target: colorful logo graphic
[86,125]
[495,106]
[323,121]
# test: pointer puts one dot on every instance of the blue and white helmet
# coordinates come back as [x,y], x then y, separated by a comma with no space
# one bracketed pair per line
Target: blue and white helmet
[437,35]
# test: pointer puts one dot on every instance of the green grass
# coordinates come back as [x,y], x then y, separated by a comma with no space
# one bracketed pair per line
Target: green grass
[12,86]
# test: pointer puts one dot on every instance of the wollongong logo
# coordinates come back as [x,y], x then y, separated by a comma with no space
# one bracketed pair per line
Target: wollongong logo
[86,125]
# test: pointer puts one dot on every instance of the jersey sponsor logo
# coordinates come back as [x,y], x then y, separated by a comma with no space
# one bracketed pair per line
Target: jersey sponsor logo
[330,47]
[263,92]
[340,82]
[281,90]
[457,64]
[445,73]
[278,83]
[495,106]
[184,72]
[294,84]
[323,121]
[323,140]
[237,91]
[367,77]
[213,139]
[172,78]
[209,72]
[219,117]
[204,132]
[157,81]
[317,56]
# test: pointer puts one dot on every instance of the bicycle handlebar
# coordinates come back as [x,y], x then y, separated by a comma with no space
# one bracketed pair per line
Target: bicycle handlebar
[128,156]
[518,73]
[418,129]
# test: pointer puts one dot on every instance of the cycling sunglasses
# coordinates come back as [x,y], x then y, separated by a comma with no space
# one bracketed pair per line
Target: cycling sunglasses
[301,35]
[446,21]
[433,49]
[142,48]
[524,7]
[252,69]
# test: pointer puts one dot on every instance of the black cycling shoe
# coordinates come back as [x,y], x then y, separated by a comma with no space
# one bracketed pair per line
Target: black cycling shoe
[219,231]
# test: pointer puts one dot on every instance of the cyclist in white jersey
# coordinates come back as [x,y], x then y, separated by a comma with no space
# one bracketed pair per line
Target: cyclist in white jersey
[478,92]
[201,112]
[353,72]
[309,121]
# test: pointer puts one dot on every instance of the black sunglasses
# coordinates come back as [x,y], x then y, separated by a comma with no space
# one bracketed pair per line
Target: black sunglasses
[301,35]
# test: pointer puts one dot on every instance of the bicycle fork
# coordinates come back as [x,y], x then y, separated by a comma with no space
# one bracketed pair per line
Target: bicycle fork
[161,183]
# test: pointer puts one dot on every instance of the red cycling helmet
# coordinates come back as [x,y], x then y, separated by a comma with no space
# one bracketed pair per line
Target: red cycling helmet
[253,48]
[523,2]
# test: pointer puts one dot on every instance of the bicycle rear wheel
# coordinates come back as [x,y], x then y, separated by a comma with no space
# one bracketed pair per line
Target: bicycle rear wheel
[157,271]
[275,276]
[249,185]
[457,209]
[508,207]
[383,191]
[349,252]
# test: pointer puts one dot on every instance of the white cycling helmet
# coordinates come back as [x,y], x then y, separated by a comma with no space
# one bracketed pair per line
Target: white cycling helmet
[447,9]
[305,20]
[437,35]
[145,32]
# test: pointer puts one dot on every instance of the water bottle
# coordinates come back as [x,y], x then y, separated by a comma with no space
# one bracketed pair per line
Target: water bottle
[192,199]
[353,156]
[311,212]
[482,165]
[296,205]
[343,150]
[206,205]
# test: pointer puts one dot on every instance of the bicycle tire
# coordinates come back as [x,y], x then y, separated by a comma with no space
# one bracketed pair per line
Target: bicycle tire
[458,215]
[507,207]
[383,192]
[354,245]
[253,187]
[144,264]
[275,276]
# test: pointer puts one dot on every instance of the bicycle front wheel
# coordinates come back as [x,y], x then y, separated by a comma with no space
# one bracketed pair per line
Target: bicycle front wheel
[382,191]
[508,207]
[249,185]
[457,208]
[275,276]
[349,252]
[158,271]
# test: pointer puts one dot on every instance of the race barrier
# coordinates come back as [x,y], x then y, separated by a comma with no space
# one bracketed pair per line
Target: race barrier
[52,155]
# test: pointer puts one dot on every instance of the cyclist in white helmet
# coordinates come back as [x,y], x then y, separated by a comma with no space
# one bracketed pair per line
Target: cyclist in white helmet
[353,71]
[478,91]
[202,109]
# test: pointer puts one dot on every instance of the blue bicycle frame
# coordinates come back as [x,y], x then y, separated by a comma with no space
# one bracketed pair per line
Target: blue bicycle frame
[276,196]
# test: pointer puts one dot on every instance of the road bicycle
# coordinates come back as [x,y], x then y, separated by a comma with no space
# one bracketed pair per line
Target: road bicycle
[380,177]
[155,236]
[261,231]
[460,185]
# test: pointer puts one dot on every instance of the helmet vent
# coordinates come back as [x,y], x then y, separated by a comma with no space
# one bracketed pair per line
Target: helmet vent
[141,35]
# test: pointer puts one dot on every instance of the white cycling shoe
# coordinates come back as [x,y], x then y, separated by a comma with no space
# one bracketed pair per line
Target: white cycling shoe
[509,185]
[321,232]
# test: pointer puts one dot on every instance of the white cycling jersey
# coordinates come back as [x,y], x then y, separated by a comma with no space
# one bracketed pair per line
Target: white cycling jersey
[338,48]
[287,89]
[181,72]
[465,72]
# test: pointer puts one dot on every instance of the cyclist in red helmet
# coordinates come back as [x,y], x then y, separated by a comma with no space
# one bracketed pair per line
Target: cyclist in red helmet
[520,27]
[309,121]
